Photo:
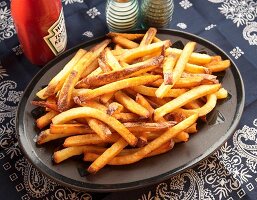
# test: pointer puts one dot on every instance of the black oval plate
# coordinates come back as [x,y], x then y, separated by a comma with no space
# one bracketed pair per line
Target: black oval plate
[221,124]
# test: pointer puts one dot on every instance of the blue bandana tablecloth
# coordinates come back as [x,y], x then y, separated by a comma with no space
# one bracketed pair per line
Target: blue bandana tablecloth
[230,173]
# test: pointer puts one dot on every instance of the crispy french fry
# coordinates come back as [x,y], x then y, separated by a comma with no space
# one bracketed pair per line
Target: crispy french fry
[117,47]
[150,91]
[120,74]
[124,42]
[222,93]
[219,66]
[126,117]
[148,37]
[131,105]
[182,60]
[89,139]
[99,127]
[114,108]
[106,97]
[192,68]
[129,36]
[64,154]
[143,102]
[46,119]
[110,153]
[92,67]
[181,137]
[195,58]
[110,60]
[83,112]
[183,99]
[138,52]
[50,105]
[70,128]
[114,86]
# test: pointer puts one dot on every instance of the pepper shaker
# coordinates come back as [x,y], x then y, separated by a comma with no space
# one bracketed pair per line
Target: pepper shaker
[156,13]
[122,15]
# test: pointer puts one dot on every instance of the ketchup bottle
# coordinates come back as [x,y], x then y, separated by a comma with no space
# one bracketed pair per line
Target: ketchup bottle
[40,28]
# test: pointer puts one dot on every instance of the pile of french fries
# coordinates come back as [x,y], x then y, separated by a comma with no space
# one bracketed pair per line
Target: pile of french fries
[129,97]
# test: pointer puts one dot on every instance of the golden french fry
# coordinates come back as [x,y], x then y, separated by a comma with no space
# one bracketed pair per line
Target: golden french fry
[114,86]
[219,66]
[114,108]
[192,68]
[131,105]
[120,74]
[183,99]
[195,58]
[124,42]
[92,67]
[83,112]
[138,52]
[89,139]
[70,128]
[49,105]
[222,93]
[129,36]
[143,102]
[46,119]
[99,127]
[150,91]
[110,60]
[182,60]
[148,37]
[66,153]
[110,153]
[106,97]
[126,117]
[181,137]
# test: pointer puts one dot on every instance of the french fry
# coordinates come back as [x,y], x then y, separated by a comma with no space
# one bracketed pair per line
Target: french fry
[148,37]
[114,86]
[195,58]
[46,119]
[126,117]
[219,66]
[138,52]
[150,91]
[183,99]
[49,105]
[182,60]
[64,154]
[131,105]
[143,102]
[89,139]
[110,153]
[222,93]
[92,67]
[181,137]
[99,128]
[70,128]
[192,68]
[110,60]
[120,74]
[124,42]
[83,112]
[106,97]
[210,104]
[114,108]
[129,36]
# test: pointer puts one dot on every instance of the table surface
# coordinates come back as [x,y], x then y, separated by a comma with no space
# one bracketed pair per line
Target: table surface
[230,173]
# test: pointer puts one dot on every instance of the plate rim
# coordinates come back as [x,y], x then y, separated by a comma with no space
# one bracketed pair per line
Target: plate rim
[23,141]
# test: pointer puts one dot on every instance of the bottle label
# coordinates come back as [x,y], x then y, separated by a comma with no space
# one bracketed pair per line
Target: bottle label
[57,37]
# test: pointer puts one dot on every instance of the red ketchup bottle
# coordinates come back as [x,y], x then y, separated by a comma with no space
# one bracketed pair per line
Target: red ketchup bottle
[40,28]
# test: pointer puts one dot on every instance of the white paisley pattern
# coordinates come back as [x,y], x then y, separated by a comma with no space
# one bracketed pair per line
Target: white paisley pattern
[242,13]
[223,172]
[7,29]
[93,12]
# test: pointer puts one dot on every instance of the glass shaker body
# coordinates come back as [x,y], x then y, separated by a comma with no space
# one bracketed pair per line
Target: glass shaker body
[156,13]
[122,15]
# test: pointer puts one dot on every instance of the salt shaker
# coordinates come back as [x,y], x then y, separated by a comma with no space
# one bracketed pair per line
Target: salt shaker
[122,15]
[156,13]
